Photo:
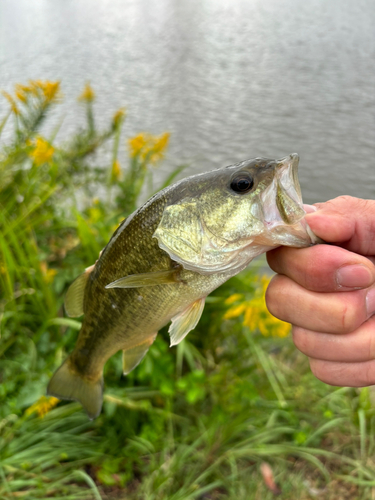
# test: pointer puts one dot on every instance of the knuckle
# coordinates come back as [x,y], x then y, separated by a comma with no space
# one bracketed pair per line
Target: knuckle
[301,340]
[318,272]
[272,258]
[327,372]
[371,347]
[345,202]
[317,368]
[341,203]
[273,297]
[348,317]
[344,320]
[346,199]
[344,374]
[368,374]
[311,270]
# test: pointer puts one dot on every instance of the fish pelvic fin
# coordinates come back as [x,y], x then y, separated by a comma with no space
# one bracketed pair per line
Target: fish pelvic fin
[185,321]
[132,357]
[68,384]
[75,295]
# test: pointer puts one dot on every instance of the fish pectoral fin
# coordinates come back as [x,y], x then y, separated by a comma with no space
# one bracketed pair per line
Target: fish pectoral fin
[74,297]
[132,357]
[186,321]
[167,277]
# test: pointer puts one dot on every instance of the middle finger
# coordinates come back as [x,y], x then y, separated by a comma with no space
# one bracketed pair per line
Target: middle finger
[321,312]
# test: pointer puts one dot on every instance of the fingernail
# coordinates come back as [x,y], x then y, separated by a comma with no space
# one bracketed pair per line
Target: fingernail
[354,276]
[370,302]
[310,208]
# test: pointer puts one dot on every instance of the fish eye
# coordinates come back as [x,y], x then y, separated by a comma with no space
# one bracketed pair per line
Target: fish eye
[242,183]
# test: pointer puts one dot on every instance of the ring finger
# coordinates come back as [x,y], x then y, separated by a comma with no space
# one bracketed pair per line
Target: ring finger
[357,346]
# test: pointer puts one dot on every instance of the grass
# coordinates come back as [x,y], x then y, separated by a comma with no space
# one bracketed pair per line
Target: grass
[198,421]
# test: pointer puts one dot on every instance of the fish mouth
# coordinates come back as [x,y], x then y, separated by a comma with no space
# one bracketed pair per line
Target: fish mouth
[283,212]
[282,200]
[287,175]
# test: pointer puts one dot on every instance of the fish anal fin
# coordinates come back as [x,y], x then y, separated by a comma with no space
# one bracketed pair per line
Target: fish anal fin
[132,357]
[75,295]
[186,321]
[167,277]
[68,384]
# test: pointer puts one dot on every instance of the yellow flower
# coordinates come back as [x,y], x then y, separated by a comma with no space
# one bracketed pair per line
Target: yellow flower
[45,90]
[147,147]
[48,273]
[51,91]
[136,144]
[235,311]
[283,329]
[249,317]
[22,88]
[12,102]
[159,147]
[233,298]
[115,171]
[20,93]
[42,406]
[118,117]
[88,95]
[43,151]
[34,87]
[256,314]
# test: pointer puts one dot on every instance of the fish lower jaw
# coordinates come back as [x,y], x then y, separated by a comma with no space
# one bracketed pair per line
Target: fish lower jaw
[294,235]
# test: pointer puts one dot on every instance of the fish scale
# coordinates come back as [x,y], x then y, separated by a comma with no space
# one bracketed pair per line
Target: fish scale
[166,257]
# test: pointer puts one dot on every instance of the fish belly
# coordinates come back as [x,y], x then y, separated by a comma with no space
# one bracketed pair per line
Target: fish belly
[132,316]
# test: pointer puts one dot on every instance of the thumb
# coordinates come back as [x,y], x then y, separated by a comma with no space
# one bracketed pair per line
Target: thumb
[346,221]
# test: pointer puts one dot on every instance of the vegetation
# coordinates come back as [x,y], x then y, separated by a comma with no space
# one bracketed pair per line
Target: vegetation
[232,412]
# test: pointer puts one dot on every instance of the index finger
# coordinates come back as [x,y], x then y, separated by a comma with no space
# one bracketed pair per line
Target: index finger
[346,221]
[323,268]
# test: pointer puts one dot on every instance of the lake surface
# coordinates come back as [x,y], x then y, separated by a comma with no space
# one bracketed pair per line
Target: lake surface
[230,79]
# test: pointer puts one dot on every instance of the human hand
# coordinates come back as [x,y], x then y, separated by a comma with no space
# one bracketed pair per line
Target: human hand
[328,292]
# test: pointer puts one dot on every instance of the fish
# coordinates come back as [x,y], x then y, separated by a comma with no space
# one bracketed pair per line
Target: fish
[165,259]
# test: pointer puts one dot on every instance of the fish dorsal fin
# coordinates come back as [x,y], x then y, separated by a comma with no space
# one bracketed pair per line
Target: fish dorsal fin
[167,277]
[186,321]
[74,297]
[132,357]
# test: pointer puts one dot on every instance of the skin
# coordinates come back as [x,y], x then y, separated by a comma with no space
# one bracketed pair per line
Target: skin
[327,292]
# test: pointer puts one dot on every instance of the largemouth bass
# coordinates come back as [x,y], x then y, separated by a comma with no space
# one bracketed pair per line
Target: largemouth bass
[165,258]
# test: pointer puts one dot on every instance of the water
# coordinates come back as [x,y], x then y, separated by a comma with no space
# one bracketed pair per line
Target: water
[230,79]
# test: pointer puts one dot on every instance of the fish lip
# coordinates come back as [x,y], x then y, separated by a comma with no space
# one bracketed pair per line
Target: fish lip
[286,174]
[290,164]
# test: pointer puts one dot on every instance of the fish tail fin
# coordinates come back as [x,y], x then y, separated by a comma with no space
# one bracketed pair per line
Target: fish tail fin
[68,384]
